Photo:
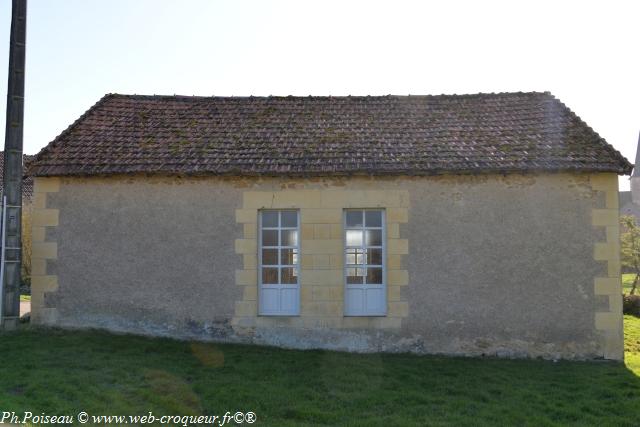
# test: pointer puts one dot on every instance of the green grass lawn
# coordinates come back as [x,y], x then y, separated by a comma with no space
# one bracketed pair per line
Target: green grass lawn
[60,372]
[24,298]
[632,343]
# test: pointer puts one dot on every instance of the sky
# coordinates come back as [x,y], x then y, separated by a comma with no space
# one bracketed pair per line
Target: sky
[585,53]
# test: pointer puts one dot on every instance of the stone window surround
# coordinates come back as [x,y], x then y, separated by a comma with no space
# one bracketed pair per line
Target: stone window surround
[322,264]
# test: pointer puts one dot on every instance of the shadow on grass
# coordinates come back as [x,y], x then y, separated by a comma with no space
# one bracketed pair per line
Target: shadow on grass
[60,372]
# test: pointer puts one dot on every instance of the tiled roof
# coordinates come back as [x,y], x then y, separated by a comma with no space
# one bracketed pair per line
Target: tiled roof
[27,180]
[305,136]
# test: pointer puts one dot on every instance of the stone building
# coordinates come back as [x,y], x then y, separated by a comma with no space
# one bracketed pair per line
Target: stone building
[456,224]
[630,200]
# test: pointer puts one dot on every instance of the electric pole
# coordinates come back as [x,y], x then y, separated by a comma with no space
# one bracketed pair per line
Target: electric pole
[12,184]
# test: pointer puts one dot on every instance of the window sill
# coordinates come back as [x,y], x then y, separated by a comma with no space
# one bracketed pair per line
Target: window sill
[278,315]
[365,315]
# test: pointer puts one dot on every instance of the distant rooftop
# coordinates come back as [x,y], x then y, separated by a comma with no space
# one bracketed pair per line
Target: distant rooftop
[27,182]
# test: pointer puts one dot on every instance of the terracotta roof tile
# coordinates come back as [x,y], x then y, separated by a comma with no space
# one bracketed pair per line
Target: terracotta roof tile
[303,136]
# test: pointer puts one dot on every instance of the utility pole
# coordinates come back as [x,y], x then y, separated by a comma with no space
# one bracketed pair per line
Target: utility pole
[12,188]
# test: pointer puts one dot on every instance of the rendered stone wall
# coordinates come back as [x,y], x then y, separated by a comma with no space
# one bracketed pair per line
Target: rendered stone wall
[516,265]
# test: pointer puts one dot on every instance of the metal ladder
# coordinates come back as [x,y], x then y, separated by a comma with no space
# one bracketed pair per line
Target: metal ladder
[4,248]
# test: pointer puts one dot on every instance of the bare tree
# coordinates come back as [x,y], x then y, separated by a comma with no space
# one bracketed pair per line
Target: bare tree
[630,247]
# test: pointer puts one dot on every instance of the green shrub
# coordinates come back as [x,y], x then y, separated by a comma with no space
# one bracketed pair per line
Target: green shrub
[631,304]
[25,286]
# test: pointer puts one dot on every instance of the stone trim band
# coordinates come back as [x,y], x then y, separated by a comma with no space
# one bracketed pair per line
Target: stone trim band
[608,323]
[44,250]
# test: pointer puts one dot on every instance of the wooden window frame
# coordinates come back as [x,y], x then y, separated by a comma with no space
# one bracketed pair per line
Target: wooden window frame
[261,286]
[363,246]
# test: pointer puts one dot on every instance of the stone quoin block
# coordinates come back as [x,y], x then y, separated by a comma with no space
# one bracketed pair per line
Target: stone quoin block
[37,234]
[398,215]
[39,200]
[250,293]
[393,230]
[46,283]
[246,277]
[257,199]
[398,277]
[607,321]
[249,261]
[46,184]
[246,246]
[45,217]
[246,216]
[250,230]
[397,246]
[393,293]
[246,308]
[44,250]
[603,217]
[606,251]
[607,285]
[394,262]
[38,266]
[398,309]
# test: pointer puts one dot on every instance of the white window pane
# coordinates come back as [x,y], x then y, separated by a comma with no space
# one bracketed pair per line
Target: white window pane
[288,256]
[289,219]
[354,238]
[269,275]
[269,256]
[355,275]
[288,275]
[350,256]
[355,256]
[374,256]
[289,238]
[374,237]
[269,237]
[373,219]
[269,218]
[354,218]
[374,275]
